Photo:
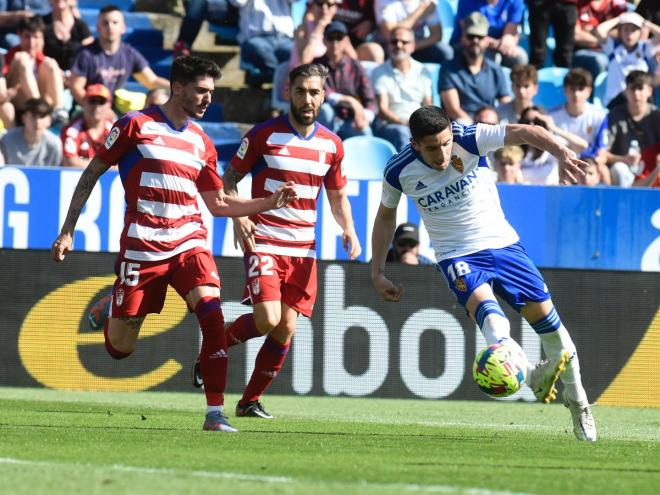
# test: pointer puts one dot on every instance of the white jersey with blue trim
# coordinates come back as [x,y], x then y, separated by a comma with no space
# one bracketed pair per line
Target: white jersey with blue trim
[459,206]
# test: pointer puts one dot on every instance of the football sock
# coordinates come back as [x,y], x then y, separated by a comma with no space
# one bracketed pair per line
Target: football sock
[555,338]
[115,353]
[213,355]
[213,409]
[269,361]
[492,322]
[241,330]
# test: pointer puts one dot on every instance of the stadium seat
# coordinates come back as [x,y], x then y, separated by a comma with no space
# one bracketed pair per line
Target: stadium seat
[214,113]
[226,138]
[447,14]
[279,81]
[298,8]
[507,79]
[551,90]
[123,5]
[599,89]
[434,72]
[365,157]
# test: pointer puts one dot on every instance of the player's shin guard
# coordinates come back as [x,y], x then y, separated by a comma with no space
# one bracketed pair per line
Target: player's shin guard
[269,361]
[213,355]
[555,338]
[114,353]
[241,330]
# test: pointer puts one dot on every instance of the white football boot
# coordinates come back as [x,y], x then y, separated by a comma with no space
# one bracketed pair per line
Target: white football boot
[543,378]
[584,425]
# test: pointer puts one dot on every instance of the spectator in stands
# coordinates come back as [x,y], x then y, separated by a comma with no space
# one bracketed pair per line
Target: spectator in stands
[350,103]
[265,33]
[538,166]
[562,16]
[504,19]
[82,137]
[627,53]
[422,18]
[486,115]
[402,85]
[471,81]
[405,246]
[7,112]
[580,118]
[32,73]
[197,11]
[14,11]
[65,34]
[591,13]
[525,84]
[634,133]
[591,175]
[309,35]
[358,15]
[508,165]
[110,61]
[156,96]
[32,143]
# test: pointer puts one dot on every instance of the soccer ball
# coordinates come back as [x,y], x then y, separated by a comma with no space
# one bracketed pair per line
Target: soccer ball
[499,370]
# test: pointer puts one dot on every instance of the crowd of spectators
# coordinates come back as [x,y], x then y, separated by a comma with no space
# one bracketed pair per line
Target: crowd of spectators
[383,58]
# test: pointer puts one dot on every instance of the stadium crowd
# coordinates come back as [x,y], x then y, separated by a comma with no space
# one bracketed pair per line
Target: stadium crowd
[586,70]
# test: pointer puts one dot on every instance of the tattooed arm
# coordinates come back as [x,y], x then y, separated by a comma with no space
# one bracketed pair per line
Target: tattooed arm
[244,228]
[86,183]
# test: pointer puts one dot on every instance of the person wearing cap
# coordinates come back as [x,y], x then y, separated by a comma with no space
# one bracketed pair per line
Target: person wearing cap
[83,136]
[422,17]
[32,143]
[627,52]
[504,19]
[405,246]
[350,102]
[471,80]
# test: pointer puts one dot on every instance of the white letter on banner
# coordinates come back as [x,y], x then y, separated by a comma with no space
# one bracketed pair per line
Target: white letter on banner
[336,380]
[17,220]
[87,220]
[329,228]
[454,358]
[116,214]
[651,256]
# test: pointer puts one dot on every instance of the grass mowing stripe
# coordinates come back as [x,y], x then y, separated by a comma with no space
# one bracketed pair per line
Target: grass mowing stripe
[264,479]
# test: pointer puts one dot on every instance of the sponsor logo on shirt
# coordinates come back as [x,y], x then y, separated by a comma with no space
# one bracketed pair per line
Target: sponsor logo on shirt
[112,137]
[450,194]
[243,148]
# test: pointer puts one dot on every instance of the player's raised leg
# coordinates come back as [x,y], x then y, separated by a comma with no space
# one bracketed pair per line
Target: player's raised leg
[558,345]
[120,335]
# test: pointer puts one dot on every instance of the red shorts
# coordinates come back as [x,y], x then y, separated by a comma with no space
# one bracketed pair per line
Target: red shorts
[141,286]
[273,277]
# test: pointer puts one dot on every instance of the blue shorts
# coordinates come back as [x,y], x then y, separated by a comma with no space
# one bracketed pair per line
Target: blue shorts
[509,271]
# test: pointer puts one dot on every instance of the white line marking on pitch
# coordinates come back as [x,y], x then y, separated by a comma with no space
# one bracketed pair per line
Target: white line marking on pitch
[263,479]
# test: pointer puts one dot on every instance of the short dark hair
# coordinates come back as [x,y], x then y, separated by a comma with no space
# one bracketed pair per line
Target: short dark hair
[639,78]
[34,24]
[189,68]
[308,70]
[578,77]
[37,107]
[522,73]
[427,121]
[109,8]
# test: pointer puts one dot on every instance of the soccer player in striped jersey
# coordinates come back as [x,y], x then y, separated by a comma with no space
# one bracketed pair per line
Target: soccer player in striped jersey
[279,245]
[165,160]
[445,172]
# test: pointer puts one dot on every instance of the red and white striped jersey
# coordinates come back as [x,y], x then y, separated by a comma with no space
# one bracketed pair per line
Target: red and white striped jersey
[275,153]
[162,170]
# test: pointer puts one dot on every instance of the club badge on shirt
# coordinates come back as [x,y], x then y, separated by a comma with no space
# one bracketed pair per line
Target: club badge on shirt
[112,137]
[457,163]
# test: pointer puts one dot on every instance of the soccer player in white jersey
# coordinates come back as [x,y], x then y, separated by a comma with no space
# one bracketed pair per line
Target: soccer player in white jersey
[445,172]
[165,160]
[280,245]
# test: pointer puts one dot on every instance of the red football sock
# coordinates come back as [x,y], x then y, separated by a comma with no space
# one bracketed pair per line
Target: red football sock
[213,355]
[115,353]
[269,361]
[241,330]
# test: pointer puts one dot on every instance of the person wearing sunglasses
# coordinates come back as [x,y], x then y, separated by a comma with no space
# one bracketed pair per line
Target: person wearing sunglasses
[83,136]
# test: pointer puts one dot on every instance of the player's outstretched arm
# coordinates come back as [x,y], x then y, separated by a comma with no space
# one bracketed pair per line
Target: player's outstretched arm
[86,183]
[244,228]
[341,211]
[225,205]
[537,136]
[381,238]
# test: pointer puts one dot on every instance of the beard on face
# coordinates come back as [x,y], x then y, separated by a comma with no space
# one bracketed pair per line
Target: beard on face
[297,113]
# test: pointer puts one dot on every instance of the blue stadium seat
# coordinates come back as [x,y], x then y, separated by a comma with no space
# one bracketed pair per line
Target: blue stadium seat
[434,71]
[279,80]
[214,113]
[298,8]
[507,79]
[551,90]
[365,157]
[124,5]
[447,15]
[226,138]
[599,89]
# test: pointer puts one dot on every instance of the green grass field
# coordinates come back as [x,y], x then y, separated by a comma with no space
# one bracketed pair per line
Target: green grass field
[74,442]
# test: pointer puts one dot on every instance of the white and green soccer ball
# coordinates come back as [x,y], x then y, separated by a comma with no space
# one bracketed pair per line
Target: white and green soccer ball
[500,370]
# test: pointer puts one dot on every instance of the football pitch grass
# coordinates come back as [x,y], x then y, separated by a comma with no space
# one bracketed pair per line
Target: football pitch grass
[111,443]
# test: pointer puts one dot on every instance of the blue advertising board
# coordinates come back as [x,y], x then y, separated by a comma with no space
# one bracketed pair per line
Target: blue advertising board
[561,227]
